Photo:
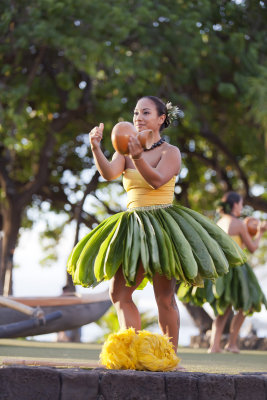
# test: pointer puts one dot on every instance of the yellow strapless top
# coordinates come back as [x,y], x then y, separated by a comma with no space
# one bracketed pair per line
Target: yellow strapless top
[237,239]
[141,194]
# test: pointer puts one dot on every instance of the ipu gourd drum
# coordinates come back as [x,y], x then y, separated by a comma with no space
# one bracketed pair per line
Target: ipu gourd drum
[121,133]
[252,225]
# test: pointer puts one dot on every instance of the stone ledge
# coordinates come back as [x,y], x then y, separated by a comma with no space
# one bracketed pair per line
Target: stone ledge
[42,383]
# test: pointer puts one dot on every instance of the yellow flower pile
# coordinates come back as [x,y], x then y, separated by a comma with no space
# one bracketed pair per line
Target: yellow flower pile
[144,351]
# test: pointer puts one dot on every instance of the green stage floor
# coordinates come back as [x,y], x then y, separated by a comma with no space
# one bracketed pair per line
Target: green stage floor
[194,360]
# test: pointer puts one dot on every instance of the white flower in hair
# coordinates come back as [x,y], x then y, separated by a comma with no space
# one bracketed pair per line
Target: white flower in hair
[174,112]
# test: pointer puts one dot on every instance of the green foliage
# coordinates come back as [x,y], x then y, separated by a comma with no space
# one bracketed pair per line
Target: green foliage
[109,323]
[67,65]
[50,238]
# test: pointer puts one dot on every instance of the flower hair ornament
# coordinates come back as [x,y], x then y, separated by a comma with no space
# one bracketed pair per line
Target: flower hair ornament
[174,112]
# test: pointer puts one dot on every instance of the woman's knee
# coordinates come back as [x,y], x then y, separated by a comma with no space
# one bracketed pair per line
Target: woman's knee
[166,301]
[114,295]
[120,295]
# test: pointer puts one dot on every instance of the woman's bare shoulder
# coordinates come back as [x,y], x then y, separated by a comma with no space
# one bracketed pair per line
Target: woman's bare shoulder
[171,156]
[171,149]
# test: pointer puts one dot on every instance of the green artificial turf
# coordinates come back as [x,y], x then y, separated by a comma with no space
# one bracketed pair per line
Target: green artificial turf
[194,360]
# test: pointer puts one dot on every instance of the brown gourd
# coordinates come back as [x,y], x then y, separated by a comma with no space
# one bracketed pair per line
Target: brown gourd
[121,133]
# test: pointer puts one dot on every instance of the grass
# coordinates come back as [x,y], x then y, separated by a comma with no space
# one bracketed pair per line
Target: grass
[194,360]
[198,360]
[30,349]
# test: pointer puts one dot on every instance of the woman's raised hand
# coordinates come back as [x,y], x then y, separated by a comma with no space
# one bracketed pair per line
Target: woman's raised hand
[96,135]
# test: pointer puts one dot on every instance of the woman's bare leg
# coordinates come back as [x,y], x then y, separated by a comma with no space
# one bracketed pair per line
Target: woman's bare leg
[235,326]
[121,297]
[217,330]
[169,318]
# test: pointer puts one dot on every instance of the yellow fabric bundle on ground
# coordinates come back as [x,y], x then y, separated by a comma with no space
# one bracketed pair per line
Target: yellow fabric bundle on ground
[143,351]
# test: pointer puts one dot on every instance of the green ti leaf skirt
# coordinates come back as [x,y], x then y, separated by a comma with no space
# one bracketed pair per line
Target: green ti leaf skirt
[173,241]
[239,288]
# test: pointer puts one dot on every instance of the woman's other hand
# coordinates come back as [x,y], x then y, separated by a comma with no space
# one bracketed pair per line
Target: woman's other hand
[96,135]
[262,226]
[135,148]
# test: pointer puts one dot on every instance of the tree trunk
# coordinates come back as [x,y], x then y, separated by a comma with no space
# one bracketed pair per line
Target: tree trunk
[200,317]
[78,212]
[11,223]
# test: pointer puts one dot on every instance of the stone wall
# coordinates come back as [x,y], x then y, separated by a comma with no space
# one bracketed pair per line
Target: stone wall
[41,383]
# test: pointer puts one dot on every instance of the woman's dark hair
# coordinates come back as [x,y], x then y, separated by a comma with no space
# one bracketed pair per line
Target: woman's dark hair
[228,201]
[161,109]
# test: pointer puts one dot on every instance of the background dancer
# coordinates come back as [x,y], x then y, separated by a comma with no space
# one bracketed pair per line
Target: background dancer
[231,208]
[239,289]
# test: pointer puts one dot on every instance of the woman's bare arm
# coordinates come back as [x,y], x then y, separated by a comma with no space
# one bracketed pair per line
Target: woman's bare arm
[168,166]
[108,169]
[251,244]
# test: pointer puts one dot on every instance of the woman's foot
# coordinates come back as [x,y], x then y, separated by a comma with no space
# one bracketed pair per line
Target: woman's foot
[214,350]
[232,349]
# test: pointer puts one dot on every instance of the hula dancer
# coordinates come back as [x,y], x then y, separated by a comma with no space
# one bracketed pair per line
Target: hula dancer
[239,289]
[153,240]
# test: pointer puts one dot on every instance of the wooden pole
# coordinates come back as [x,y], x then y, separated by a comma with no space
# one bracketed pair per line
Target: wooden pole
[37,312]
